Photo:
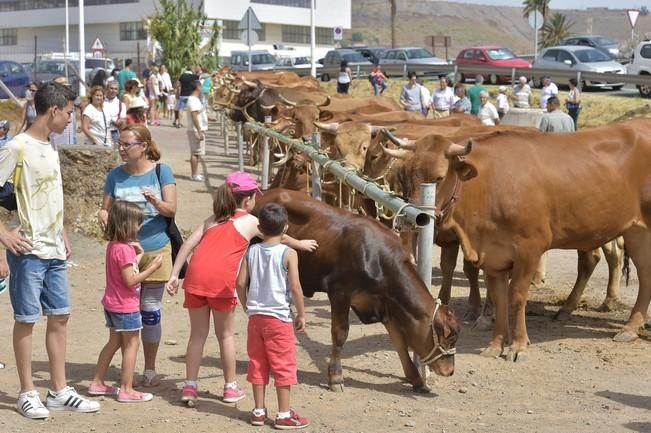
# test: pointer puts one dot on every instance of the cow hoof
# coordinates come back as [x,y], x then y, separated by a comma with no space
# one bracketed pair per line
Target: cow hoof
[491,352]
[483,323]
[337,387]
[515,356]
[625,336]
[537,284]
[422,389]
[562,315]
[470,317]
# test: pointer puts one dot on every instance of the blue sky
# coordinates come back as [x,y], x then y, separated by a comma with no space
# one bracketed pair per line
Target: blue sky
[568,4]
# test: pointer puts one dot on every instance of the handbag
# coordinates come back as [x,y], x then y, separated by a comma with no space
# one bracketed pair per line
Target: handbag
[8,190]
[173,232]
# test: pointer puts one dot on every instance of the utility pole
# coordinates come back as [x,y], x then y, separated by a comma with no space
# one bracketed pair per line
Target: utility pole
[82,54]
[313,38]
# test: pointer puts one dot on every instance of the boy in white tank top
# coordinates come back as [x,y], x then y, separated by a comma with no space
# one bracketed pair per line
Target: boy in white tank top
[267,284]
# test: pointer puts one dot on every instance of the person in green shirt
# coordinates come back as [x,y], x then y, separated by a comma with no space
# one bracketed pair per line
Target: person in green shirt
[125,75]
[473,94]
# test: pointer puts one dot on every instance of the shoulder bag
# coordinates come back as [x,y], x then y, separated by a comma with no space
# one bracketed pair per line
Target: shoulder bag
[176,238]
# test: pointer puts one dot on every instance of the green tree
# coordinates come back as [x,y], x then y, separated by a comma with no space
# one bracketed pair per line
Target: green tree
[178,28]
[532,5]
[556,27]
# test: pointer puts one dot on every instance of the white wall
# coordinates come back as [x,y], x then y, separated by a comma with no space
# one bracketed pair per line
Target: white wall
[329,13]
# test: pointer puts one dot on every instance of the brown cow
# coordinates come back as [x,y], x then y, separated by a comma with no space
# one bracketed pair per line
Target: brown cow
[361,265]
[517,195]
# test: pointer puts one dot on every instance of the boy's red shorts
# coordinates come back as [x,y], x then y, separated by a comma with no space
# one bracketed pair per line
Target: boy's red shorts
[271,346]
[217,304]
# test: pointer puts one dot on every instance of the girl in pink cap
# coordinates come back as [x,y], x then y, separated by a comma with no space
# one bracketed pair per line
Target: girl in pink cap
[217,248]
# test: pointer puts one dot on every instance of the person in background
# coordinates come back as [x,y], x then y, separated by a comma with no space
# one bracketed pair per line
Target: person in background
[555,120]
[411,95]
[521,95]
[573,102]
[378,80]
[442,99]
[197,127]
[267,284]
[100,78]
[186,85]
[30,111]
[4,132]
[171,104]
[154,84]
[95,122]
[137,112]
[344,77]
[4,273]
[473,94]
[549,89]
[115,110]
[487,111]
[125,75]
[502,102]
[462,105]
[69,134]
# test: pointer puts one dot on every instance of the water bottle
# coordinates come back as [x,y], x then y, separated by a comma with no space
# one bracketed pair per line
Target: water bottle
[3,285]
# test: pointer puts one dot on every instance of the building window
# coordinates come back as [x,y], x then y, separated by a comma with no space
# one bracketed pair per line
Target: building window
[301,35]
[230,30]
[134,31]
[290,3]
[25,5]
[8,37]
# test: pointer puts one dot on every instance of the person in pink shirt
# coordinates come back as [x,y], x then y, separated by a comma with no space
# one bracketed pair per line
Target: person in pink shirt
[121,300]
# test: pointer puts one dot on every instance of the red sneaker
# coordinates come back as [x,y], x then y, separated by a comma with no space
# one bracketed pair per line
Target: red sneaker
[294,421]
[189,395]
[258,419]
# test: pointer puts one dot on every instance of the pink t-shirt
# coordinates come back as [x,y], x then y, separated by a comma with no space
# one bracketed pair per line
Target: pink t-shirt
[118,297]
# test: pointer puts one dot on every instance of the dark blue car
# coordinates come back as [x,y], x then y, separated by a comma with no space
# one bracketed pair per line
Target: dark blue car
[13,76]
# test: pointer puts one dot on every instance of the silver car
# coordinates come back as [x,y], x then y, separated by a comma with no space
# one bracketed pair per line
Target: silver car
[413,57]
[578,58]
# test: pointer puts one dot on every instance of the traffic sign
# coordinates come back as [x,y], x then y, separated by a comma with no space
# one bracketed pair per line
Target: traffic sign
[249,37]
[632,14]
[97,45]
[249,20]
[338,33]
[536,20]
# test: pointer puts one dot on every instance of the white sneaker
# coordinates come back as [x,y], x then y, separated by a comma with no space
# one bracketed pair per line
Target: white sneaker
[68,399]
[198,178]
[30,405]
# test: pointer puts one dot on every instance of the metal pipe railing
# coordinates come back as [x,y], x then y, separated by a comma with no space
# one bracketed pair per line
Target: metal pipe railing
[411,213]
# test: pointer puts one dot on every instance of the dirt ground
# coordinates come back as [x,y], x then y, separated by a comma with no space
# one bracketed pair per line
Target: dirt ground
[576,379]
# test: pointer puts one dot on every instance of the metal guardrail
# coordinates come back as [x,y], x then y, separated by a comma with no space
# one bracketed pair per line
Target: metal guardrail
[362,71]
[409,212]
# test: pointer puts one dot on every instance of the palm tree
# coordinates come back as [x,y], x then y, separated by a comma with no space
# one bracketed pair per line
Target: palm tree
[556,27]
[394,9]
[533,5]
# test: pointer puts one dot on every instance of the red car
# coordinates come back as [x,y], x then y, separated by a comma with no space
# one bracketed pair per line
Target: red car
[491,56]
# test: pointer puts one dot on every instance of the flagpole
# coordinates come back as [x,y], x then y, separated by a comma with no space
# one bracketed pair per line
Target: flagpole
[313,37]
[82,54]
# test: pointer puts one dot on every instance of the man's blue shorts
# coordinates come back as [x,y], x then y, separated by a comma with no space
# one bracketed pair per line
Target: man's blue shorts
[37,284]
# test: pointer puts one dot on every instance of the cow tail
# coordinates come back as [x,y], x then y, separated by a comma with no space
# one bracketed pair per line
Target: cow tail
[626,267]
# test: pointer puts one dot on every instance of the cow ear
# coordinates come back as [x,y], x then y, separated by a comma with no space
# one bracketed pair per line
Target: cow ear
[464,169]
[325,115]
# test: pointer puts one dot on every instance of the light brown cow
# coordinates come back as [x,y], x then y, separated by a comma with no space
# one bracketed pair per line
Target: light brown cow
[517,195]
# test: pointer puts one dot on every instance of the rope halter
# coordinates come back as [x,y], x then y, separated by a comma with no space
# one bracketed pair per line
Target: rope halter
[432,356]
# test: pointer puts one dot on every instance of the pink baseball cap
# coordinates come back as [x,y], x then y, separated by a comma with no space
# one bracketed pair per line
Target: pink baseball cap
[241,181]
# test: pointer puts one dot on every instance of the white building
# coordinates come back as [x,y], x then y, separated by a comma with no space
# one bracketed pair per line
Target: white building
[38,26]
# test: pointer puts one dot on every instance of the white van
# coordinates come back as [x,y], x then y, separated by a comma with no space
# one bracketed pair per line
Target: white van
[261,60]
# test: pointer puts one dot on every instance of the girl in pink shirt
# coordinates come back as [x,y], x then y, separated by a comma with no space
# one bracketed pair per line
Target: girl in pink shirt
[217,248]
[121,300]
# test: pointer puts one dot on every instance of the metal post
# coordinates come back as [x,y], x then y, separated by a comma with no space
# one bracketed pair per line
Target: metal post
[313,38]
[82,50]
[578,80]
[137,58]
[265,162]
[225,134]
[404,71]
[513,76]
[425,248]
[316,168]
[66,48]
[35,56]
[240,147]
[357,72]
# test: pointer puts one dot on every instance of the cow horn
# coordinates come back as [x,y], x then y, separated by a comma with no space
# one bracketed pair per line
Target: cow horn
[330,127]
[245,110]
[282,161]
[286,101]
[397,153]
[397,141]
[375,129]
[458,150]
[250,83]
[267,107]
[325,103]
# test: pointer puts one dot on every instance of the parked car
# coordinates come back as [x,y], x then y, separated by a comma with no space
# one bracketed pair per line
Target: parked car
[261,60]
[47,70]
[579,58]
[373,55]
[492,56]
[29,68]
[603,43]
[13,76]
[413,57]
[299,64]
[334,57]
[641,65]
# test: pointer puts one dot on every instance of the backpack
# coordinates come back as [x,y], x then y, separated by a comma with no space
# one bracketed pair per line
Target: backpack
[8,190]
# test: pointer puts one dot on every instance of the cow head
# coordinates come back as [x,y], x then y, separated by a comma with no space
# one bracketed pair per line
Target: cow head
[304,113]
[352,140]
[445,332]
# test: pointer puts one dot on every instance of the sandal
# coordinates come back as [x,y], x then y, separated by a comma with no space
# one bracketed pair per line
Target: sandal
[134,397]
[101,389]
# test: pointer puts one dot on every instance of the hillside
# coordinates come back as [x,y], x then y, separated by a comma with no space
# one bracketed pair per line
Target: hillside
[470,24]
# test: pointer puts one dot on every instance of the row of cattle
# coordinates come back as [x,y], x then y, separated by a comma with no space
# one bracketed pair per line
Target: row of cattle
[505,195]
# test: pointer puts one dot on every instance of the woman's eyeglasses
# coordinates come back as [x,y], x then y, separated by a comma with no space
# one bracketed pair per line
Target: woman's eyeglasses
[126,145]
